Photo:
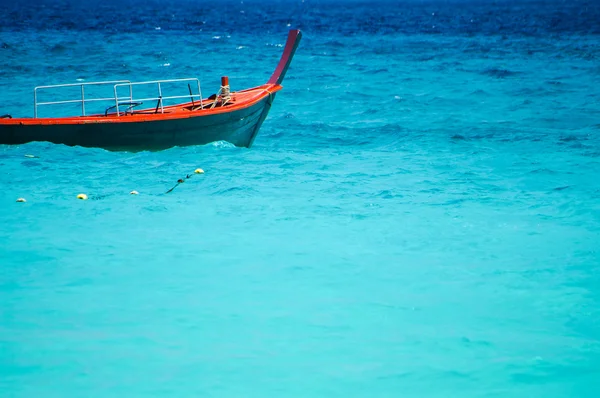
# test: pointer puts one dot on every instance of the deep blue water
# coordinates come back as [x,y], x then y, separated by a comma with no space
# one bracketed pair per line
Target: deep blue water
[419,215]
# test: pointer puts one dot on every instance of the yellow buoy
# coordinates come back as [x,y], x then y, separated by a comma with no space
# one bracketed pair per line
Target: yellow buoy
[21,200]
[199,171]
[82,196]
[134,193]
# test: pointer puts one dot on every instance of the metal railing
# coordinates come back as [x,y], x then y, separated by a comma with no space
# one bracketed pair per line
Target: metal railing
[118,100]
[160,97]
[82,100]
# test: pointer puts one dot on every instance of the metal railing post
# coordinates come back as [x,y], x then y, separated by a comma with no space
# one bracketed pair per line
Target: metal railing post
[82,101]
[162,110]
[199,92]
[116,99]
[35,103]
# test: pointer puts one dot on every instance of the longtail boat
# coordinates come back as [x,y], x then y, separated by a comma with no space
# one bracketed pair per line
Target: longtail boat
[232,116]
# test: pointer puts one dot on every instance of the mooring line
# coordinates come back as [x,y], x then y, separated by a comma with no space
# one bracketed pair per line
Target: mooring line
[182,180]
[83,196]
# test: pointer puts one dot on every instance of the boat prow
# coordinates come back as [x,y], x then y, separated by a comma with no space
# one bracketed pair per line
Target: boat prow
[233,116]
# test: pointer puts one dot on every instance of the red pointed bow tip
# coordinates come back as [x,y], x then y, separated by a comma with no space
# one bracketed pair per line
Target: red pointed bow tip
[291,45]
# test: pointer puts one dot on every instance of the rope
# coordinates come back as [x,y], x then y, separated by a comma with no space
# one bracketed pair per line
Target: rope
[182,180]
[224,94]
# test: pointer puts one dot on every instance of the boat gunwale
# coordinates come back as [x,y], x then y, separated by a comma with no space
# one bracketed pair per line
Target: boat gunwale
[176,111]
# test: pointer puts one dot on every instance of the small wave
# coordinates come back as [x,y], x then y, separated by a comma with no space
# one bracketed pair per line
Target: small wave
[499,73]
[237,191]
[221,144]
[480,92]
[58,49]
[569,138]
[458,137]
[542,171]
[378,71]
[332,43]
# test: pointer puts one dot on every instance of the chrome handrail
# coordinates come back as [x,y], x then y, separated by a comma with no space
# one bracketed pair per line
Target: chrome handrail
[82,100]
[116,84]
[160,97]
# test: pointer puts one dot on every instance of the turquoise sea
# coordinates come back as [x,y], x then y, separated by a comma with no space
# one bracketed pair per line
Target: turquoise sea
[419,215]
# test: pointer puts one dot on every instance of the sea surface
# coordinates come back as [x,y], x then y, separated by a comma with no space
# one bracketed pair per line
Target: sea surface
[419,215]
